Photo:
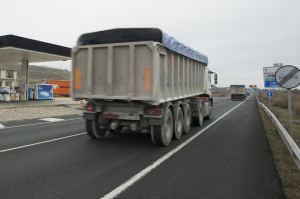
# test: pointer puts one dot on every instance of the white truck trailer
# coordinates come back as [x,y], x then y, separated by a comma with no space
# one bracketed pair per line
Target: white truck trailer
[140,79]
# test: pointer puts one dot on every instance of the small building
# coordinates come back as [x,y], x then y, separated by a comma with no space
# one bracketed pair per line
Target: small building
[8,77]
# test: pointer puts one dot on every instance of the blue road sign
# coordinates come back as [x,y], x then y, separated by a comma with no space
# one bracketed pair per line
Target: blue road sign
[269,93]
[271,84]
[269,77]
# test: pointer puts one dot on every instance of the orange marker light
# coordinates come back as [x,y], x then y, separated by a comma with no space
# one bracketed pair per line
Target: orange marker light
[77,79]
[148,78]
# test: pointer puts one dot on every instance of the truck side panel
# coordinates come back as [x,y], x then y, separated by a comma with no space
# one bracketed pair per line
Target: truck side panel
[143,71]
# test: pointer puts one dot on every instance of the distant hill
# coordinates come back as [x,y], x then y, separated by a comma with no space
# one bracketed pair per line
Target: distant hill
[46,73]
[38,73]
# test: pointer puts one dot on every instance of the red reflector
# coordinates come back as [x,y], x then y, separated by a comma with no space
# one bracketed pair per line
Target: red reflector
[90,108]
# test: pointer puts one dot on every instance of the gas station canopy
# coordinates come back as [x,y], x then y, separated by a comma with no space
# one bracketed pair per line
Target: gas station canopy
[15,49]
[20,50]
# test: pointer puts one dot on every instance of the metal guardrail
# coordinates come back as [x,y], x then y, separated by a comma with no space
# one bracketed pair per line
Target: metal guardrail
[287,139]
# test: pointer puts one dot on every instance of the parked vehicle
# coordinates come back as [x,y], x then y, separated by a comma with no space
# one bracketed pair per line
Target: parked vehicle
[238,92]
[142,80]
[6,90]
[60,87]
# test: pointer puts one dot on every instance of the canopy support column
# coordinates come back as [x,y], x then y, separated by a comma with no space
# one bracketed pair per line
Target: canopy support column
[25,80]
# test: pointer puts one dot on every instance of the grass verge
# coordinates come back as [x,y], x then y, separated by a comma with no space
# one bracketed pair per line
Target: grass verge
[286,167]
[279,108]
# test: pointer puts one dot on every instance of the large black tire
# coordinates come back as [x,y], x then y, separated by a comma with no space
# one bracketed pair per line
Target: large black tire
[89,128]
[178,123]
[198,121]
[187,118]
[93,128]
[162,135]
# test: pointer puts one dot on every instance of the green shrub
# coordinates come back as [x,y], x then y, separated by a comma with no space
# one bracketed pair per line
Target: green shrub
[280,101]
[296,104]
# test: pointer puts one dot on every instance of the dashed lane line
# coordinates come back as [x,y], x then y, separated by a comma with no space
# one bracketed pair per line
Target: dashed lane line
[40,123]
[52,119]
[2,126]
[39,143]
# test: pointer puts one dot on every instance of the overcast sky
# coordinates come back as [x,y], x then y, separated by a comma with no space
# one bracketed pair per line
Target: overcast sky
[238,36]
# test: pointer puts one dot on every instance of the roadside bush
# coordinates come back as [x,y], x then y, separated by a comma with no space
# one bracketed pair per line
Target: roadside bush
[280,101]
[296,104]
[297,107]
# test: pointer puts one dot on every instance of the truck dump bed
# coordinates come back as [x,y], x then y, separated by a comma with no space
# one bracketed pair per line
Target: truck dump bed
[142,69]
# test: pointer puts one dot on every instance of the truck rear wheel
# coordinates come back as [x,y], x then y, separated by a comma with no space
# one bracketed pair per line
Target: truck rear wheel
[162,135]
[198,121]
[178,123]
[89,128]
[93,128]
[187,118]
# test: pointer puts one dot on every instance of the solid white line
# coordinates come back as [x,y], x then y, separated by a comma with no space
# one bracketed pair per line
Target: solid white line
[52,119]
[35,124]
[2,126]
[43,142]
[121,188]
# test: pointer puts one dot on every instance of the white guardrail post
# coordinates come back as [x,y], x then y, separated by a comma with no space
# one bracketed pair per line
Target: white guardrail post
[287,139]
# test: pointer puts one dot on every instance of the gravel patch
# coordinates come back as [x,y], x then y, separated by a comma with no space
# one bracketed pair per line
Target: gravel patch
[12,114]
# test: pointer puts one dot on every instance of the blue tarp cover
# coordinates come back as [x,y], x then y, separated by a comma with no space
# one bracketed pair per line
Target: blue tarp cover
[120,35]
[176,46]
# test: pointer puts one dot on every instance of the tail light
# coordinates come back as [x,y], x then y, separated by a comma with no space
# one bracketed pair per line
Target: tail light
[90,107]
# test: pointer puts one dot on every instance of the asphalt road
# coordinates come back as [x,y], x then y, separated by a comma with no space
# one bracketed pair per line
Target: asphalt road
[229,157]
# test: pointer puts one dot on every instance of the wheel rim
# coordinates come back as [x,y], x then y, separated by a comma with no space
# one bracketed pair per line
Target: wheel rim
[179,123]
[201,116]
[169,125]
[188,118]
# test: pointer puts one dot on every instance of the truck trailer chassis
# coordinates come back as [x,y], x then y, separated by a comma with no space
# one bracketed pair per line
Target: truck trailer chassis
[164,122]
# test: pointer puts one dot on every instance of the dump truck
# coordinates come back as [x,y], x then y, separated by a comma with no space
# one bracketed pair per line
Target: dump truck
[140,80]
[238,92]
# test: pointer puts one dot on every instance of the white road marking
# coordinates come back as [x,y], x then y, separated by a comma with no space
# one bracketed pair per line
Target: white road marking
[43,142]
[121,188]
[2,126]
[52,119]
[40,123]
